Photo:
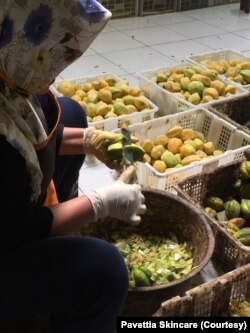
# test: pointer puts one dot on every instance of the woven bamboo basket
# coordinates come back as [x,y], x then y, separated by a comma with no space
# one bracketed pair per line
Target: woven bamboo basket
[165,213]
[236,111]
[211,298]
[230,252]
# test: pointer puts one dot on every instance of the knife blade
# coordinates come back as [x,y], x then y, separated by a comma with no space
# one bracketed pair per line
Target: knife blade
[127,157]
[128,175]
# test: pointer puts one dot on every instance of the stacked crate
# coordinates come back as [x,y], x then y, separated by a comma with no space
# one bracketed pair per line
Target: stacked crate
[121,8]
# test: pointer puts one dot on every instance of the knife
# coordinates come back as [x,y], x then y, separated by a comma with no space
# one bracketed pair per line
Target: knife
[128,174]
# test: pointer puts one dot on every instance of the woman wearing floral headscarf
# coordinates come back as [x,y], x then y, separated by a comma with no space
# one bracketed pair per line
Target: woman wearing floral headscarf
[81,282]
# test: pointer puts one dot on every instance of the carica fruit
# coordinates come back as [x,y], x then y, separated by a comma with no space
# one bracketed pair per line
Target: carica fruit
[115,151]
[140,278]
[215,203]
[232,209]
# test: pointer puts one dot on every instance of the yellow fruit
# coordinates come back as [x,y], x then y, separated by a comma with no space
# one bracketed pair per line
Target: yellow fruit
[211,92]
[202,78]
[81,93]
[206,99]
[194,99]
[186,150]
[134,91]
[191,142]
[129,100]
[92,96]
[185,82]
[157,151]
[131,109]
[161,77]
[212,74]
[219,86]
[199,143]
[76,98]
[66,88]
[87,86]
[161,140]
[159,166]
[111,81]
[116,92]
[187,134]
[97,118]
[230,89]
[174,145]
[97,85]
[147,145]
[190,159]
[199,135]
[175,131]
[141,103]
[91,110]
[110,114]
[208,148]
[102,109]
[146,158]
[201,154]
[218,152]
[105,95]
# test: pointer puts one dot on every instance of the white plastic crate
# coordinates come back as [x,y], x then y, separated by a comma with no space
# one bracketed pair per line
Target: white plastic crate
[116,122]
[224,135]
[163,98]
[226,54]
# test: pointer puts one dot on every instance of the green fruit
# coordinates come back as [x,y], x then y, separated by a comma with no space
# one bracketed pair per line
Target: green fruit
[232,209]
[169,159]
[246,74]
[211,212]
[146,271]
[243,232]
[215,203]
[141,279]
[245,169]
[136,150]
[245,208]
[245,240]
[116,150]
[196,87]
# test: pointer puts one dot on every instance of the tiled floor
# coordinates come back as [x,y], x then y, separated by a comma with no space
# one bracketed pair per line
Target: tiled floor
[127,46]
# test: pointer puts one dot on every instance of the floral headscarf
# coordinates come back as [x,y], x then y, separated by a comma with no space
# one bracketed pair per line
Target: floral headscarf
[39,39]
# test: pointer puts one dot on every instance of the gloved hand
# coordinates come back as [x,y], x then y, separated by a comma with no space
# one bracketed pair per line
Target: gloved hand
[119,200]
[95,142]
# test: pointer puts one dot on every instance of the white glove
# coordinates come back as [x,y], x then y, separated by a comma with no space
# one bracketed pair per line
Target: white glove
[96,142]
[120,201]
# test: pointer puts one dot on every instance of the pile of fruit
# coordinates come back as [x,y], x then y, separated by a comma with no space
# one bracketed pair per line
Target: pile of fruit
[237,70]
[151,259]
[105,98]
[176,148]
[233,212]
[239,309]
[194,84]
[154,260]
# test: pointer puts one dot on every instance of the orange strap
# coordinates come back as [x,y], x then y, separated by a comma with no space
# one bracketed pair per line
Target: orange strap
[51,198]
